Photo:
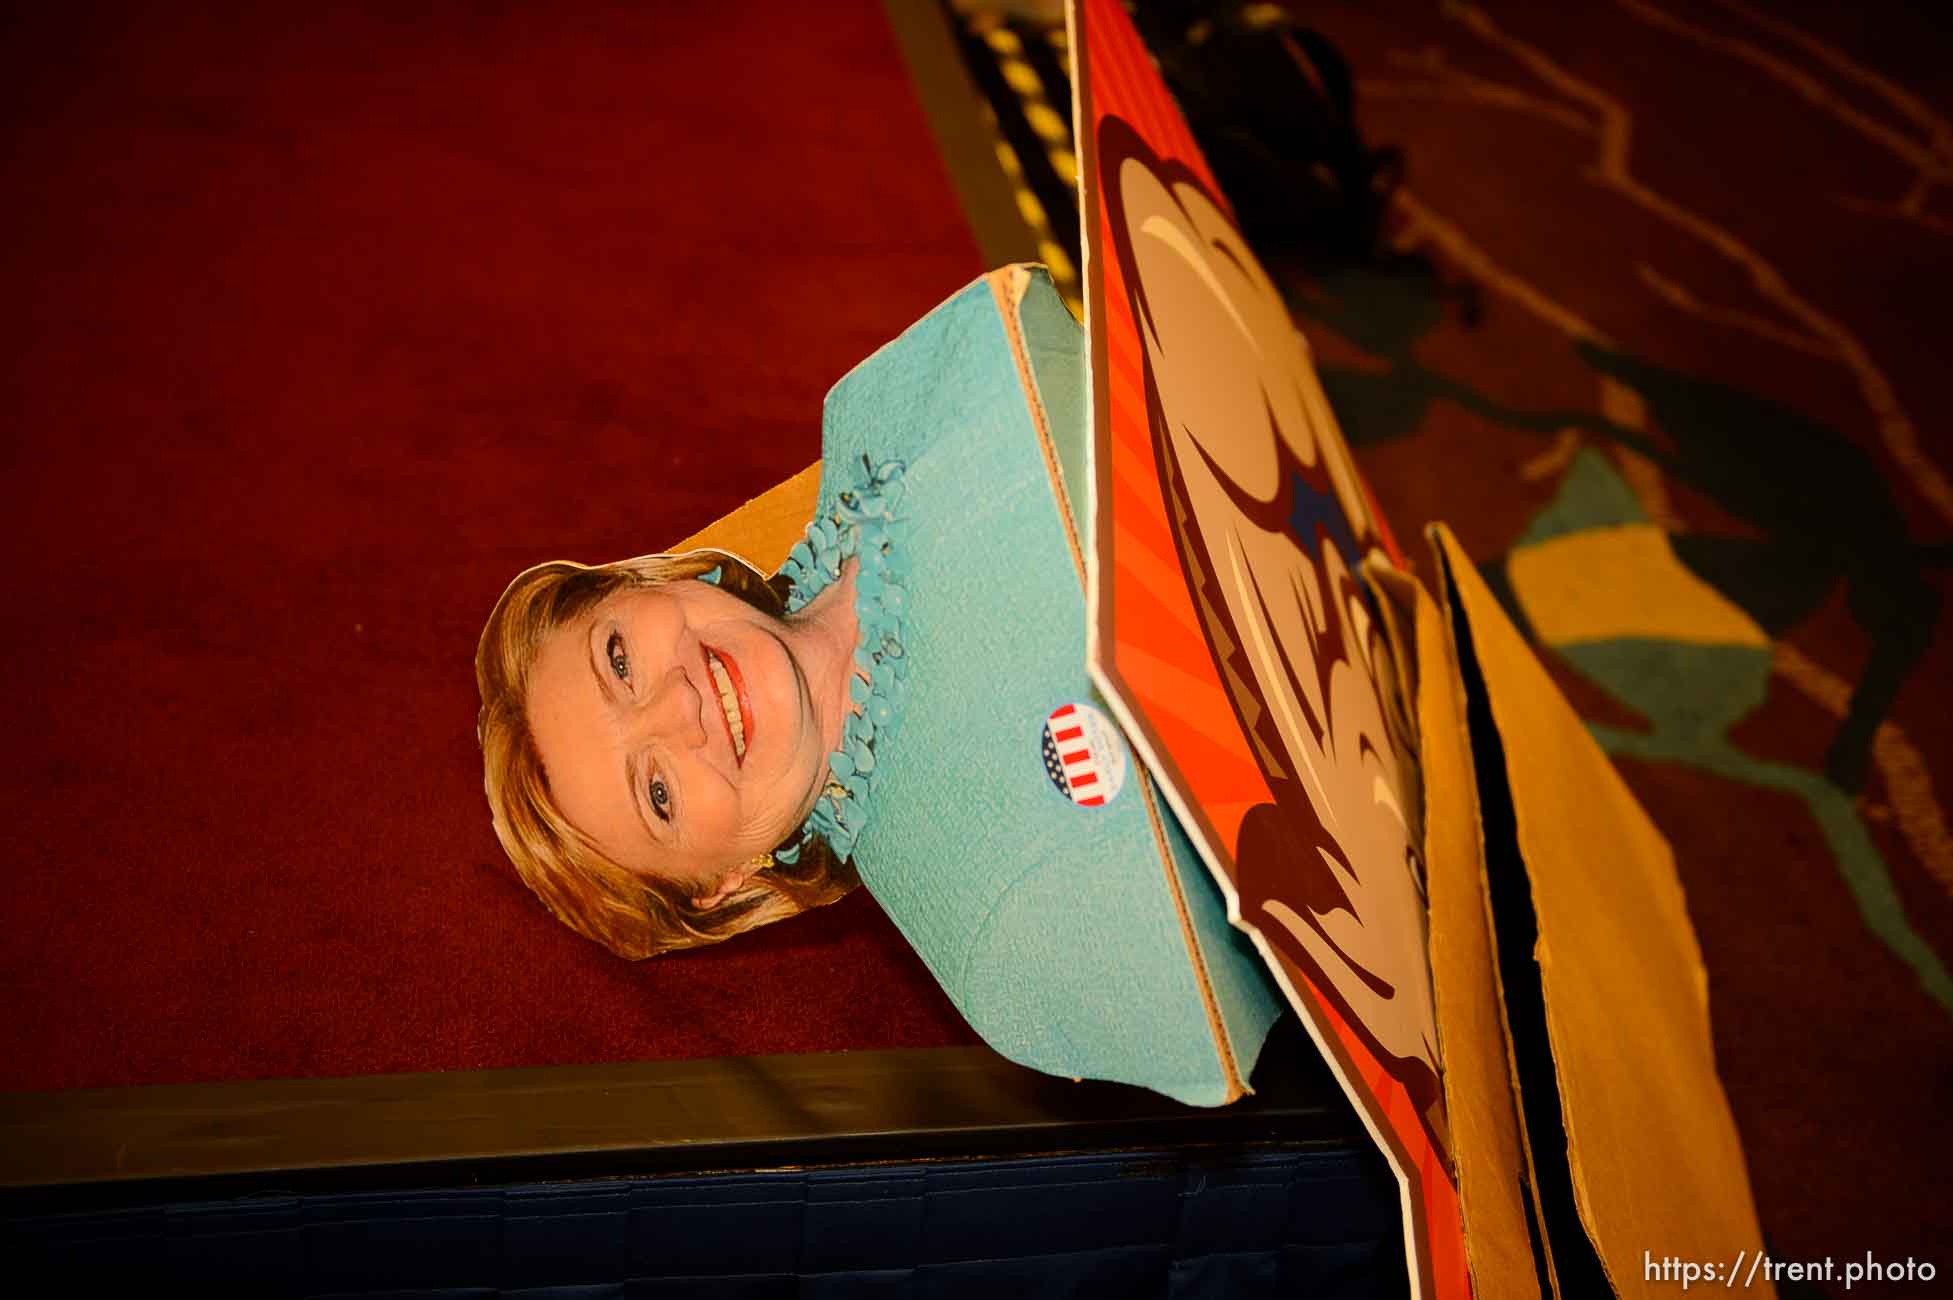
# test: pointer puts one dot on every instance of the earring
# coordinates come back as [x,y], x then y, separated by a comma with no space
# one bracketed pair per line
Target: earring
[760,862]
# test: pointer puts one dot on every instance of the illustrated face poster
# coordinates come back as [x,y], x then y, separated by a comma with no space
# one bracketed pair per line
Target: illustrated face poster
[1231,631]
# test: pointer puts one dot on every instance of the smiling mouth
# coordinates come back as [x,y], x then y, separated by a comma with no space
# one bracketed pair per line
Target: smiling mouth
[731,690]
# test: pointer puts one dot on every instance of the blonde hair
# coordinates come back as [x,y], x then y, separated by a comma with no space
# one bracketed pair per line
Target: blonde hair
[633,915]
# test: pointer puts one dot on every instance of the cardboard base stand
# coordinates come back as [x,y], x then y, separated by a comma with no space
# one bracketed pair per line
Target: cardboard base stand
[1630,1144]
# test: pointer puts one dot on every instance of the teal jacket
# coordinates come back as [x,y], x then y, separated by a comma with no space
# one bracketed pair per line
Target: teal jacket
[1028,859]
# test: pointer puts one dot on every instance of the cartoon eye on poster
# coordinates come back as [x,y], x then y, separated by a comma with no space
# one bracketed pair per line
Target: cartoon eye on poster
[1230,629]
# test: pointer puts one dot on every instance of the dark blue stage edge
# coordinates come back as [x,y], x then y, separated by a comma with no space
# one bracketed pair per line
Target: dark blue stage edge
[1161,1223]
[940,1173]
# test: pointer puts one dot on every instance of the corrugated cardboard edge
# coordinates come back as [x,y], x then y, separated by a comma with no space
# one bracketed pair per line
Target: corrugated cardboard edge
[763,530]
[1657,1166]
[1484,1127]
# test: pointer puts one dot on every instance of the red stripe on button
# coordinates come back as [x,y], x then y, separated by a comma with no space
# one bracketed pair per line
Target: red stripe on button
[1091,801]
[1077,756]
[1069,733]
[1085,778]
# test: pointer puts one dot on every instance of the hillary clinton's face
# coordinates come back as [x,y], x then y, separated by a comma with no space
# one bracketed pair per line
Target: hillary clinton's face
[678,731]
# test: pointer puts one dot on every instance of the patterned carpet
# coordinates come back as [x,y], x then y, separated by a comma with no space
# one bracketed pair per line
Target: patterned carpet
[1660,343]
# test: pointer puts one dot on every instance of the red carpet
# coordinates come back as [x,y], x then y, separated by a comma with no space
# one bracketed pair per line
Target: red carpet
[320,327]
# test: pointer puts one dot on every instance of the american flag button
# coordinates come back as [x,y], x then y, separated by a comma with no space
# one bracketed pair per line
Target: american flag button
[1084,755]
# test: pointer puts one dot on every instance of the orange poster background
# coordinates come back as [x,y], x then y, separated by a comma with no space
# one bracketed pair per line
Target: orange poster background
[1149,648]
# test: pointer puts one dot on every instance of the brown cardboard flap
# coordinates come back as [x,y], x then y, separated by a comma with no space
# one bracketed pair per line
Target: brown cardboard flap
[1652,1160]
[763,530]
[1478,1085]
